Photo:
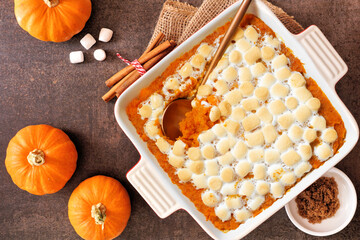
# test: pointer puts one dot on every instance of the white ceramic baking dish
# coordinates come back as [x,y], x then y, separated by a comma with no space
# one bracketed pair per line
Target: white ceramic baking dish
[322,63]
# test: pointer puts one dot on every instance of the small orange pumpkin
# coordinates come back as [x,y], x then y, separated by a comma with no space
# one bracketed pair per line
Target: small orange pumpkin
[99,208]
[41,159]
[52,20]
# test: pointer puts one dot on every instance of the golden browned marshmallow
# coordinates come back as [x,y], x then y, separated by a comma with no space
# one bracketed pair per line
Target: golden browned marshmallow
[318,123]
[243,168]
[205,50]
[172,84]
[282,74]
[234,97]
[272,41]
[223,213]
[232,126]
[247,188]
[200,181]
[267,80]
[226,159]
[264,115]
[214,114]
[276,171]
[252,55]
[225,108]
[179,148]
[156,113]
[256,202]
[271,156]
[227,174]
[222,64]
[277,107]
[262,187]
[184,175]
[288,178]
[259,171]
[296,80]
[302,94]
[295,133]
[279,90]
[238,114]
[258,69]
[243,45]
[276,189]
[283,142]
[267,53]
[186,70]
[302,113]
[262,93]
[209,199]
[196,167]
[270,133]
[242,215]
[223,146]
[256,155]
[251,34]
[309,135]
[204,90]
[207,136]
[255,139]
[250,104]
[194,153]
[215,183]
[245,74]
[208,151]
[279,61]
[238,34]
[176,161]
[151,128]
[233,202]
[197,61]
[305,151]
[229,74]
[251,122]
[290,157]
[313,103]
[323,151]
[219,130]
[302,168]
[235,57]
[291,103]
[211,168]
[329,135]
[240,149]
[145,111]
[221,87]
[163,145]
[286,120]
[156,101]
[246,88]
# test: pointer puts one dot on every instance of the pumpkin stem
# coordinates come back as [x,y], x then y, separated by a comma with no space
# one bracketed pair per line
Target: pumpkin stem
[36,157]
[51,3]
[98,213]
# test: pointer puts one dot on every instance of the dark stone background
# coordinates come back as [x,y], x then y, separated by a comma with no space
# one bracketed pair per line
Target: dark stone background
[39,85]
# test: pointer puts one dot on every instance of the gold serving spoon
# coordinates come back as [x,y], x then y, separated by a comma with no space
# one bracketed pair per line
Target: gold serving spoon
[175,111]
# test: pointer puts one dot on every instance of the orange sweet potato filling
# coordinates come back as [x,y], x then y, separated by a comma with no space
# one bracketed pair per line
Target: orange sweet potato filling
[198,121]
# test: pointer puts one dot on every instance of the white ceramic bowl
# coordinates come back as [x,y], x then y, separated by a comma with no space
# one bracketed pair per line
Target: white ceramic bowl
[342,217]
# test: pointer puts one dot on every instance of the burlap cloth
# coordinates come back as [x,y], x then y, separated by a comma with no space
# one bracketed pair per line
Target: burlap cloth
[179,20]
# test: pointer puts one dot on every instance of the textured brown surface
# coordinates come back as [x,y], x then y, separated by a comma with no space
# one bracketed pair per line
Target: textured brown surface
[39,85]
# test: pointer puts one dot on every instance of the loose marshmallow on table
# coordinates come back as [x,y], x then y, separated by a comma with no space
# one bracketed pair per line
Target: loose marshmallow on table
[99,54]
[88,41]
[76,57]
[105,35]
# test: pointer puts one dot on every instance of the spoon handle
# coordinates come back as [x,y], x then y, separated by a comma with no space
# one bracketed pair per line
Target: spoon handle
[228,35]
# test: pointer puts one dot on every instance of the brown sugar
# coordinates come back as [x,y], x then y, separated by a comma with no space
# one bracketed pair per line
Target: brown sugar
[319,201]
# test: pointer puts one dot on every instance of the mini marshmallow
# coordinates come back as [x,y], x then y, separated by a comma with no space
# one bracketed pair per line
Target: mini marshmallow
[105,35]
[99,54]
[76,57]
[88,41]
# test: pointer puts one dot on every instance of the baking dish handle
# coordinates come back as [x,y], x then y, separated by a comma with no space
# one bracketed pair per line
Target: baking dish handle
[331,66]
[152,189]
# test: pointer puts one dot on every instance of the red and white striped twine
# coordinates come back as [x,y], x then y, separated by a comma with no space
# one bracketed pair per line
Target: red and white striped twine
[137,65]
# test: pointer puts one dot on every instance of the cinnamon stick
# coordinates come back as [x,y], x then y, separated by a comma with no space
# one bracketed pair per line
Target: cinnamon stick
[131,78]
[125,71]
[154,43]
